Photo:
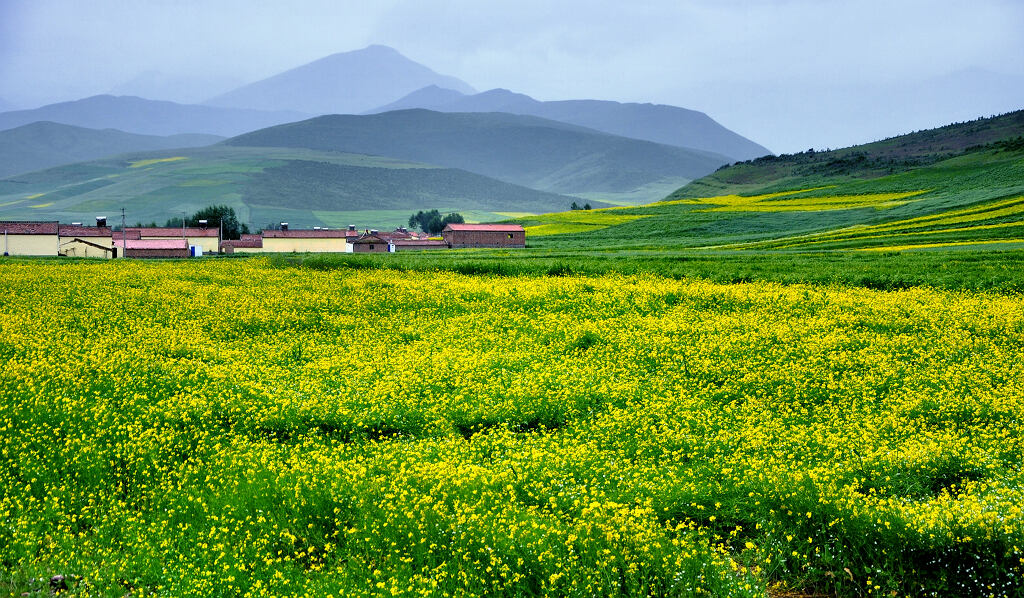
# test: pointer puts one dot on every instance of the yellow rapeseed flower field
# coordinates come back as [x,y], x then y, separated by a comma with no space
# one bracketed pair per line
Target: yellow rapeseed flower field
[236,428]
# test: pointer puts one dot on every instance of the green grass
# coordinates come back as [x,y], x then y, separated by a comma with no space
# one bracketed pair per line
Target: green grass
[263,185]
[951,269]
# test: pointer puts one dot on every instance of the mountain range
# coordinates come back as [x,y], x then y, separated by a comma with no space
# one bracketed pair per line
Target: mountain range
[44,144]
[149,117]
[343,83]
[651,122]
[467,145]
[524,150]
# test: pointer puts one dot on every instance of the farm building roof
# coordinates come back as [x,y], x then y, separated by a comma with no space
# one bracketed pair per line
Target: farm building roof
[153,243]
[498,228]
[29,228]
[171,231]
[372,238]
[245,241]
[419,243]
[305,233]
[75,230]
[90,243]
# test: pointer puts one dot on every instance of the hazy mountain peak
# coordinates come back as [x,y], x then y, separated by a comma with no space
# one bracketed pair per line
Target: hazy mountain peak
[342,83]
[659,123]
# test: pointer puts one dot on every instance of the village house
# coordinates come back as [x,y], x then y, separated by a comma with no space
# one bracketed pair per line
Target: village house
[249,243]
[206,238]
[87,241]
[484,235]
[315,240]
[155,248]
[371,242]
[30,238]
[418,244]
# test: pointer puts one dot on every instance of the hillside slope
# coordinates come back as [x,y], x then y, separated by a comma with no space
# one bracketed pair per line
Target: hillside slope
[263,185]
[44,144]
[343,83]
[960,186]
[533,152]
[148,117]
[659,123]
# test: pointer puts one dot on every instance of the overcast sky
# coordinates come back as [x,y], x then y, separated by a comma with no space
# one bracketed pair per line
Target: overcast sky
[789,74]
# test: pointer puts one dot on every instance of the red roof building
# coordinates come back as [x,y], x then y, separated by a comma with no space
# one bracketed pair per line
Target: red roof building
[160,248]
[29,228]
[484,235]
[29,238]
[247,242]
[77,230]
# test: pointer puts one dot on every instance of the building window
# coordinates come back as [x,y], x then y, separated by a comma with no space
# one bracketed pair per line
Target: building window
[510,235]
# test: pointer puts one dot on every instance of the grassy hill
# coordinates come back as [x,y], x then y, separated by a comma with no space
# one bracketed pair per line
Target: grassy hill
[528,151]
[148,117]
[263,185]
[669,125]
[958,186]
[44,144]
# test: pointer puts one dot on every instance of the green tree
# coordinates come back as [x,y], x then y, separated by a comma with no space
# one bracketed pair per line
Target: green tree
[432,222]
[214,216]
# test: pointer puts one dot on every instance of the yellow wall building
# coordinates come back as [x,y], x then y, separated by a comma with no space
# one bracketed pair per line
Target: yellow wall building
[29,238]
[305,241]
[86,241]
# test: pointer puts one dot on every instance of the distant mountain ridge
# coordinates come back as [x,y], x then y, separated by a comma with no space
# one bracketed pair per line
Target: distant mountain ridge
[45,144]
[149,117]
[523,150]
[343,83]
[659,123]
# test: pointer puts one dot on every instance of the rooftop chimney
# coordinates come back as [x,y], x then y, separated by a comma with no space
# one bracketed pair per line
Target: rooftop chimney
[76,224]
[202,223]
[284,226]
[316,228]
[351,227]
[101,221]
[374,231]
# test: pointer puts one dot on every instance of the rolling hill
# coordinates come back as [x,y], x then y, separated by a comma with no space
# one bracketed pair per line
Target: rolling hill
[264,186]
[524,150]
[668,125]
[345,83]
[959,186]
[44,144]
[148,117]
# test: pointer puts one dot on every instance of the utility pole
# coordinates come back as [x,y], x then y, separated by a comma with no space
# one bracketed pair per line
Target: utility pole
[124,236]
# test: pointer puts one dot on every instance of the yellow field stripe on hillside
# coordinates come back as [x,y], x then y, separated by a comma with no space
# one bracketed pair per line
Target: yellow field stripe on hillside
[34,196]
[715,200]
[812,204]
[42,205]
[857,237]
[949,244]
[151,161]
[1008,207]
[576,221]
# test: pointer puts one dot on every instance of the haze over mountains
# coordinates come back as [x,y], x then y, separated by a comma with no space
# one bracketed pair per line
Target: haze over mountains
[343,83]
[149,117]
[44,144]
[651,122]
[524,150]
[512,144]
